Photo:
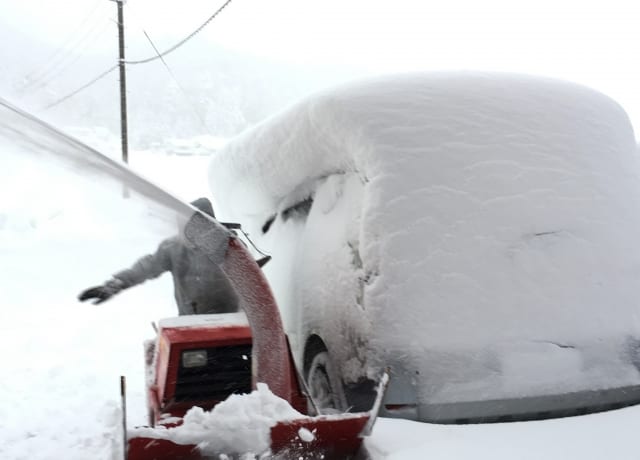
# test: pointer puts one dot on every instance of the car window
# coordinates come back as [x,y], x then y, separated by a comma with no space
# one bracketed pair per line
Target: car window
[300,210]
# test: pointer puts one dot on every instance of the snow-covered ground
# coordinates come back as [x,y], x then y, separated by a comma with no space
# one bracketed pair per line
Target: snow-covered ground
[59,392]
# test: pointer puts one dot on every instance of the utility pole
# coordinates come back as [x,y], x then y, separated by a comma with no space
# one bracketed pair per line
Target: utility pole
[123,85]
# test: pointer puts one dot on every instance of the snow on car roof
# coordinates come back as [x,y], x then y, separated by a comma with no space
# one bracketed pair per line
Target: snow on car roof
[445,117]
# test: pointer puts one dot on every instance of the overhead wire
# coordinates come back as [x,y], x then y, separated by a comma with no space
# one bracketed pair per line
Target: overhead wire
[86,85]
[140,61]
[186,95]
[60,70]
[181,42]
[63,53]
[63,47]
[171,74]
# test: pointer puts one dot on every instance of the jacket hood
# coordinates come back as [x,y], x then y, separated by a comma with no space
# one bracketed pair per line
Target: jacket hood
[204,205]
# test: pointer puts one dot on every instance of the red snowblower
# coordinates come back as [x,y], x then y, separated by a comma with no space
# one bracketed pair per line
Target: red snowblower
[201,360]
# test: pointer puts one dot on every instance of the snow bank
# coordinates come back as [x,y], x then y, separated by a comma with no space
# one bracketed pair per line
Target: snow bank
[485,223]
[238,425]
[590,437]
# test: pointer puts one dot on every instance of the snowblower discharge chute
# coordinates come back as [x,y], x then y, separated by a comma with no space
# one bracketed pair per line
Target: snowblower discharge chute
[199,361]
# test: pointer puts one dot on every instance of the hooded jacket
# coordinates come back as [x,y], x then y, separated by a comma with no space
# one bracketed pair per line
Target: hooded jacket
[200,286]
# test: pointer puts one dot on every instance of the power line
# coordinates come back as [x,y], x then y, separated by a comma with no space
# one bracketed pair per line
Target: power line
[181,42]
[141,61]
[63,47]
[63,60]
[184,93]
[62,66]
[86,85]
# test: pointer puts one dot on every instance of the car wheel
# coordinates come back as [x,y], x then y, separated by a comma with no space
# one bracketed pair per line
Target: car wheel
[323,384]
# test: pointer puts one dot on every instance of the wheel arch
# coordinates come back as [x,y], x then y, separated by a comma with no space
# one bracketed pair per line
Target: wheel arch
[312,347]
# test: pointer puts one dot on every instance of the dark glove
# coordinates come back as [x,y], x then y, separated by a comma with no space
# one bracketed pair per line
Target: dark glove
[102,293]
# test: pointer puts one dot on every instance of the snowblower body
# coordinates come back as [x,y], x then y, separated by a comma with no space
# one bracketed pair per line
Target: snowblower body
[197,360]
[201,360]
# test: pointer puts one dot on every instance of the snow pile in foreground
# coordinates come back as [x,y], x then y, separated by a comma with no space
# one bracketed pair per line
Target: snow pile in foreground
[238,425]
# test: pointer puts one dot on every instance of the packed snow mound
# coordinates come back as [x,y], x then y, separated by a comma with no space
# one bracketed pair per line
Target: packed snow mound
[486,224]
[239,425]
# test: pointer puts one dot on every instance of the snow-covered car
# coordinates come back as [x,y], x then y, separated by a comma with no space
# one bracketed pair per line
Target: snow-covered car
[474,232]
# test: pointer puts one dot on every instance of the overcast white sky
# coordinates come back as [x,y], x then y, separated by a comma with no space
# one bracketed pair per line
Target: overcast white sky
[591,42]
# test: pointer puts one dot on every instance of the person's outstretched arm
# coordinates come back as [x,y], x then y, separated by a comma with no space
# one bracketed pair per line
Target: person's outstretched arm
[147,267]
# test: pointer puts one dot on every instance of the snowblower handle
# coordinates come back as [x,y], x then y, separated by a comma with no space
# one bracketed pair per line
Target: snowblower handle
[123,402]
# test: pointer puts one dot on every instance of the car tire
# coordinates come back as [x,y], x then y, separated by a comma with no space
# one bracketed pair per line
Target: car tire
[323,384]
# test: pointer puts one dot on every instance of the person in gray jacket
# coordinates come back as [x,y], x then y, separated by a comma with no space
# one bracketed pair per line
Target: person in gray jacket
[200,286]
